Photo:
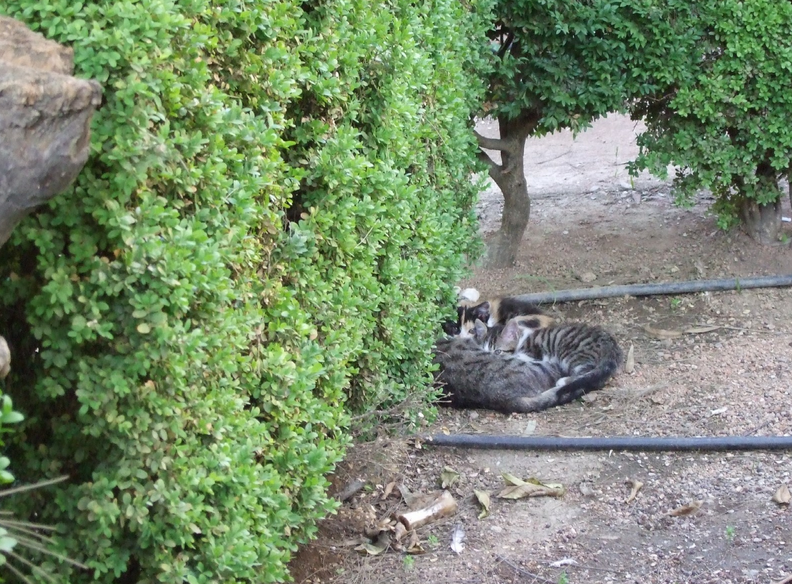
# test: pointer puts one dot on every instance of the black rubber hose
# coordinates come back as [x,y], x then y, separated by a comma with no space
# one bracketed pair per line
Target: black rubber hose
[636,443]
[653,289]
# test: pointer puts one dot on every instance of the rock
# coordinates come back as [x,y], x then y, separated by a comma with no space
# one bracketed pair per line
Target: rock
[45,116]
[587,277]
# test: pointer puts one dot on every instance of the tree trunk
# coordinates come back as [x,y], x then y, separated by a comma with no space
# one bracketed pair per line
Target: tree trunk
[510,177]
[761,222]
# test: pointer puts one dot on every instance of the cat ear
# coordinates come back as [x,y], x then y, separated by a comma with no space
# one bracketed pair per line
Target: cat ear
[480,329]
[510,335]
[481,312]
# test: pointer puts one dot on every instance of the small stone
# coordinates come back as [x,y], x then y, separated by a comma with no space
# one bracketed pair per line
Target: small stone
[587,277]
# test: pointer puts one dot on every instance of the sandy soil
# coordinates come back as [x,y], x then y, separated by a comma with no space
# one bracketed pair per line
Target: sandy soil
[589,219]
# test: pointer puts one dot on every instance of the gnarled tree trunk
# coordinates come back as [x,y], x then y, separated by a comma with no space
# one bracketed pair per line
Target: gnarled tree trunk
[763,222]
[510,177]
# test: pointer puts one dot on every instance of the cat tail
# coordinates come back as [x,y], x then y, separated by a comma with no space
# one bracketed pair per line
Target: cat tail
[558,396]
[555,396]
[590,381]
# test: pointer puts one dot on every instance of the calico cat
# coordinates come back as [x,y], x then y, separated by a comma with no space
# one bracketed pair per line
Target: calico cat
[474,377]
[492,313]
[588,354]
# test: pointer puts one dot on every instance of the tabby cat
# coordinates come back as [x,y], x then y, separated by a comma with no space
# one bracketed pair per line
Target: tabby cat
[588,354]
[475,377]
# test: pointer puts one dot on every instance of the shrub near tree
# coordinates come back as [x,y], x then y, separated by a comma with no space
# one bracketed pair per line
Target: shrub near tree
[274,207]
[727,124]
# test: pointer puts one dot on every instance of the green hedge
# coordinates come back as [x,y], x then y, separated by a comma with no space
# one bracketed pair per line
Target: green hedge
[278,198]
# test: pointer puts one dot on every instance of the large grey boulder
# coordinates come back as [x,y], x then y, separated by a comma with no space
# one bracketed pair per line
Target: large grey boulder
[45,116]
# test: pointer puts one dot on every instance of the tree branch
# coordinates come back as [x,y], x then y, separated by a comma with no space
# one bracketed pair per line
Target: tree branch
[495,169]
[491,143]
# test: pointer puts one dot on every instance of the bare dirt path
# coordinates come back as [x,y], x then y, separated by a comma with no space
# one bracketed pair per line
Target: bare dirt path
[588,220]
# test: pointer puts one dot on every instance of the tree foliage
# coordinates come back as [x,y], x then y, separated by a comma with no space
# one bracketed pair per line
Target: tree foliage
[726,123]
[278,198]
[562,64]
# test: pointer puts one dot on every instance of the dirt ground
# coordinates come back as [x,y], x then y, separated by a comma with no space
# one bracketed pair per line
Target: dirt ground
[590,222]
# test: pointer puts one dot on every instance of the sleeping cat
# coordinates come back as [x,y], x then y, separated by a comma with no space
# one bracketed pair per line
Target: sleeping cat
[497,311]
[588,354]
[474,377]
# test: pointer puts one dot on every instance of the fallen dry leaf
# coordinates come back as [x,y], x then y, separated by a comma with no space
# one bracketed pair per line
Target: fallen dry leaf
[519,488]
[688,509]
[697,330]
[399,531]
[354,541]
[448,478]
[564,562]
[389,489]
[414,544]
[412,500]
[370,549]
[629,365]
[662,333]
[384,524]
[483,498]
[457,539]
[529,490]
[782,495]
[636,486]
[510,479]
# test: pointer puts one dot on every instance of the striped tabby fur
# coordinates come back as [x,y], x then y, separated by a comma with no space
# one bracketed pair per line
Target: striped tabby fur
[588,354]
[474,377]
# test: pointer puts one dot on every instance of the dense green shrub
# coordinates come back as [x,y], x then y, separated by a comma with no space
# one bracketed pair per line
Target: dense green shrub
[7,416]
[275,205]
[726,124]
